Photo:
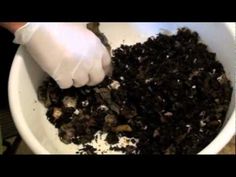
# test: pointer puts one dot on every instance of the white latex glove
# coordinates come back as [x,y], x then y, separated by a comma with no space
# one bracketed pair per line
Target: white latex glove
[68,52]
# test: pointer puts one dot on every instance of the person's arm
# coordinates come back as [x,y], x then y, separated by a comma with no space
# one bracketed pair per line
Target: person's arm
[70,53]
[12,26]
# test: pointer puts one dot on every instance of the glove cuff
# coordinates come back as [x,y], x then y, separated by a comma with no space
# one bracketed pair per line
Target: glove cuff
[24,33]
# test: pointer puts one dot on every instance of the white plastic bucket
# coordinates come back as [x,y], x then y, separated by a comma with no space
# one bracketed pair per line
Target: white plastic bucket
[26,76]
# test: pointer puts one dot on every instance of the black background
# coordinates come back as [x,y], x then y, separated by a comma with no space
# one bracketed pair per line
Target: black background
[7,52]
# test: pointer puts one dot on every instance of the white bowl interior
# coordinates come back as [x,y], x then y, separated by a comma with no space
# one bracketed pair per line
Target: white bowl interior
[26,76]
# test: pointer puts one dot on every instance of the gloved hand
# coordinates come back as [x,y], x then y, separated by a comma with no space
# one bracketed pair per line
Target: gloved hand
[68,52]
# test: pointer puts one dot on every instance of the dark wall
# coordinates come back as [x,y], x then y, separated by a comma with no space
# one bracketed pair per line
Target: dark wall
[7,52]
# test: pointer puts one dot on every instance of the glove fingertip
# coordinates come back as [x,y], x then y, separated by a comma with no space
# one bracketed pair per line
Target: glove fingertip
[65,83]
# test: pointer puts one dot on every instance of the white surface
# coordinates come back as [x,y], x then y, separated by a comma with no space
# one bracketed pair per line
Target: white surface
[26,76]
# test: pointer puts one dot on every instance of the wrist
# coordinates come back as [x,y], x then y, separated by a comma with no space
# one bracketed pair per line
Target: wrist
[12,26]
[24,33]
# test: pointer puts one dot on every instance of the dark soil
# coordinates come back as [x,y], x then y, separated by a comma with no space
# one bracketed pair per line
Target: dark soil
[169,92]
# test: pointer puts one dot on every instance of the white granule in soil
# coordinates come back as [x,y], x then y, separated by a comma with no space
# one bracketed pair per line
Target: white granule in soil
[114,85]
[76,112]
[102,147]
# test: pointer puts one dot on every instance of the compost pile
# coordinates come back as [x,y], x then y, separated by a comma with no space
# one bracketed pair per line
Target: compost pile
[169,95]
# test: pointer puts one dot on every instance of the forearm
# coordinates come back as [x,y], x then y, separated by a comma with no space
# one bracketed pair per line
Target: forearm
[12,26]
